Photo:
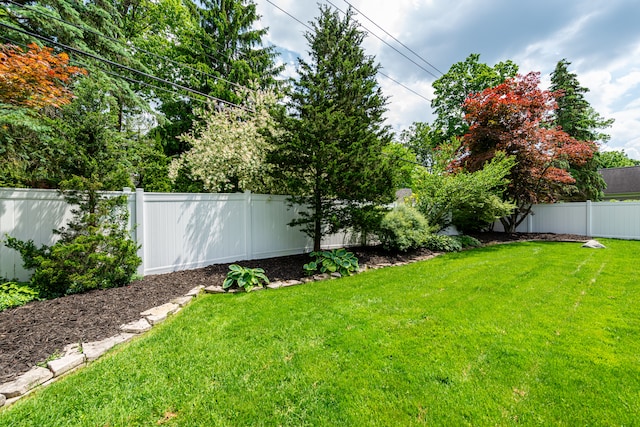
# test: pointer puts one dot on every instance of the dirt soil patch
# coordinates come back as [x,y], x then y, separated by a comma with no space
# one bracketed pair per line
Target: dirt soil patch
[31,333]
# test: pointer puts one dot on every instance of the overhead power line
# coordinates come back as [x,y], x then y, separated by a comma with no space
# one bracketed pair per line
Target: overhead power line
[124,67]
[385,42]
[111,73]
[398,41]
[379,72]
[164,58]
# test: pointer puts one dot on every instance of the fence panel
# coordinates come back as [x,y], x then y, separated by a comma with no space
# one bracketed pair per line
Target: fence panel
[28,215]
[616,219]
[183,231]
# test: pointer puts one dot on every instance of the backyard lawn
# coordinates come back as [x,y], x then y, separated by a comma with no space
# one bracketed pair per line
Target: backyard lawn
[518,334]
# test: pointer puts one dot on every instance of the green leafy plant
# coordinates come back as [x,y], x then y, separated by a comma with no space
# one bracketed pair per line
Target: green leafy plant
[442,243]
[336,260]
[13,294]
[246,278]
[403,228]
[468,241]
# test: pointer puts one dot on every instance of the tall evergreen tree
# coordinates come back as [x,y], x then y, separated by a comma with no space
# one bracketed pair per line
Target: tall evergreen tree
[229,50]
[577,118]
[333,157]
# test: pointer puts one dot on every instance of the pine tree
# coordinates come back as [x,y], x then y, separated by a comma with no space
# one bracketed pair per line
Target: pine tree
[333,157]
[228,49]
[577,118]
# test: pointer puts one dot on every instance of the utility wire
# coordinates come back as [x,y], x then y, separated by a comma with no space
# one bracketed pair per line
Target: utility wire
[115,64]
[111,73]
[379,72]
[385,42]
[398,41]
[129,46]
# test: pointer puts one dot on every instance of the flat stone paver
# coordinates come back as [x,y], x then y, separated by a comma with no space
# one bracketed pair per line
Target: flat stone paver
[182,301]
[65,363]
[136,327]
[158,314]
[214,290]
[95,349]
[25,382]
[195,291]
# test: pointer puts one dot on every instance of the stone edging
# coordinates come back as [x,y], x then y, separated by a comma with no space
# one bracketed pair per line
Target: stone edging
[77,355]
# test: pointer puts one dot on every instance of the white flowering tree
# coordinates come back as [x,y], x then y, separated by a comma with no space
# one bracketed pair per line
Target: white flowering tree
[228,147]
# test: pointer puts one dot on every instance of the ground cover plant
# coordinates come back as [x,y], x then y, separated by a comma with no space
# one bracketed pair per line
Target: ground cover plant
[519,334]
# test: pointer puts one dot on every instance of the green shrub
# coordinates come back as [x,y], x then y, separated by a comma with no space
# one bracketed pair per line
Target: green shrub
[246,278]
[95,250]
[336,260]
[13,294]
[442,243]
[468,241]
[403,228]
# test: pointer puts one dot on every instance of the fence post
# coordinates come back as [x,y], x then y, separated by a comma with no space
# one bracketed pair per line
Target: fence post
[248,212]
[530,222]
[589,231]
[139,224]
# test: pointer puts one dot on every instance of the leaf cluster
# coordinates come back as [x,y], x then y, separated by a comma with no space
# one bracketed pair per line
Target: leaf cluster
[14,294]
[336,260]
[244,277]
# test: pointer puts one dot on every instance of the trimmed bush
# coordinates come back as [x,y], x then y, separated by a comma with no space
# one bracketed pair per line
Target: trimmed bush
[468,241]
[403,228]
[442,243]
[95,250]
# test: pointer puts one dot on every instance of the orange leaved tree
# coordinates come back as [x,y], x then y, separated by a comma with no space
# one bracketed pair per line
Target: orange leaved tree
[515,118]
[35,78]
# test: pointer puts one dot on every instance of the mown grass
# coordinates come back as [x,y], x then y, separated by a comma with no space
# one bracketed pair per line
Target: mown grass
[519,334]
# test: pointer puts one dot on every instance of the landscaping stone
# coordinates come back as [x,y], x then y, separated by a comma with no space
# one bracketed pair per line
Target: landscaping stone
[593,244]
[274,285]
[323,276]
[182,301]
[291,283]
[65,363]
[70,349]
[214,290]
[3,399]
[195,291]
[336,275]
[95,349]
[136,327]
[158,314]
[25,382]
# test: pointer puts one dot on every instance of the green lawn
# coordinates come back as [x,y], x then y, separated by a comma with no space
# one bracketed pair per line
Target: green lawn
[518,334]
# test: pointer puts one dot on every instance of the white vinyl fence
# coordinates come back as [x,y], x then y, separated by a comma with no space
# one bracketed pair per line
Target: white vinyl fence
[619,220]
[185,231]
[175,231]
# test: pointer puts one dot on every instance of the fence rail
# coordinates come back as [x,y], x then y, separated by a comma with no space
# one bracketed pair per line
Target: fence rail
[185,231]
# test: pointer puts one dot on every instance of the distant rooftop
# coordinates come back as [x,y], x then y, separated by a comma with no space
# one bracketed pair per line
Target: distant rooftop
[621,181]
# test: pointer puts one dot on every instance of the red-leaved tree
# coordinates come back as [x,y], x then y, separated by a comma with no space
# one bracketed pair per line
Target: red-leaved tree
[515,118]
[36,78]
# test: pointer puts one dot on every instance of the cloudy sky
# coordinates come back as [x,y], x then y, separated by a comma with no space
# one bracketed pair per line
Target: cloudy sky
[601,39]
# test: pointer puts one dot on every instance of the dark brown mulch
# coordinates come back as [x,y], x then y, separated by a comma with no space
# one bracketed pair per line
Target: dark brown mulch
[30,334]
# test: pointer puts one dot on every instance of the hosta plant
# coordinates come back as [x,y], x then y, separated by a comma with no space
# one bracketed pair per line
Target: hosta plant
[246,278]
[336,260]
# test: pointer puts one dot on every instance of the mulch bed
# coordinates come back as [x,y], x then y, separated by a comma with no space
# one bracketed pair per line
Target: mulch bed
[31,333]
